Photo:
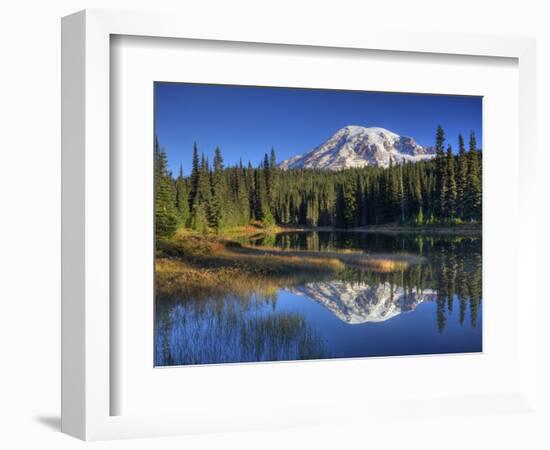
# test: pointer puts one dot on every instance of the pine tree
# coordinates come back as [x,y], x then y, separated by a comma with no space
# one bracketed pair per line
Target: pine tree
[272,159]
[474,195]
[250,182]
[266,172]
[312,210]
[361,202]
[401,193]
[273,178]
[329,203]
[195,175]
[451,193]
[243,203]
[462,178]
[218,191]
[349,203]
[199,218]
[473,142]
[420,217]
[165,211]
[261,208]
[417,196]
[200,212]
[394,193]
[182,199]
[441,172]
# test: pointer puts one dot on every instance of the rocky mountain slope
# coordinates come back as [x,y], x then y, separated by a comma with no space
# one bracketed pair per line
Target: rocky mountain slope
[356,146]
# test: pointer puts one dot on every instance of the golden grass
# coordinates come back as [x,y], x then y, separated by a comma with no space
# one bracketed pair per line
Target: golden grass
[192,265]
[381,262]
[382,265]
[175,277]
[195,265]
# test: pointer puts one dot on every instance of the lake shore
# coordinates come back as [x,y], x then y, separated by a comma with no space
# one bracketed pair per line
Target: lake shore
[191,265]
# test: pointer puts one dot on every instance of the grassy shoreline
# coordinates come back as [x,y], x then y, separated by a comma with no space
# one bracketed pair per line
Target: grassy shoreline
[191,265]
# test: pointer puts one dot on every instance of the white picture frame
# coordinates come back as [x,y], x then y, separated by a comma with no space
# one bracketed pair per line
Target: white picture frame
[86,223]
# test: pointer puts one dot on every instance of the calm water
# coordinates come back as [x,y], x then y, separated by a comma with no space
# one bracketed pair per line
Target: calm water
[433,307]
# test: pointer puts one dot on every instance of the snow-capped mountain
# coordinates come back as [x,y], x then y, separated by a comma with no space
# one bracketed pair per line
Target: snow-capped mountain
[356,146]
[356,303]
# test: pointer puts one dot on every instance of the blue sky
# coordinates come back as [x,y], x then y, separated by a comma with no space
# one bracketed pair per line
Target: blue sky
[245,122]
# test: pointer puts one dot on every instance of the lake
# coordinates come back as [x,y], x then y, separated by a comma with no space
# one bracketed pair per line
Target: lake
[431,307]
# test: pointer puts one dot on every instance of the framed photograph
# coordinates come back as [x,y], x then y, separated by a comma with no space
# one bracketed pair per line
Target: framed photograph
[250,215]
[362,245]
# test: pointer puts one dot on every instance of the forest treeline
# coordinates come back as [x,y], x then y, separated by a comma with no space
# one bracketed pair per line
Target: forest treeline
[444,190]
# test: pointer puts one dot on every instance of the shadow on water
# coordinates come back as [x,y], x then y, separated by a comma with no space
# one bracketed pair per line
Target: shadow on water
[433,307]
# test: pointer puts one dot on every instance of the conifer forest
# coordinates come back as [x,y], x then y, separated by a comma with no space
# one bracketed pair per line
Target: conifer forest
[446,190]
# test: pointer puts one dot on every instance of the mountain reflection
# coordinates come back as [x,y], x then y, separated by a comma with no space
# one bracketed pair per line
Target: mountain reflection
[356,303]
[452,274]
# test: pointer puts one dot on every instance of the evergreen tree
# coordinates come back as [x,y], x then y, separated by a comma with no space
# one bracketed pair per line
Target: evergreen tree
[401,192]
[243,203]
[312,210]
[195,175]
[273,178]
[261,208]
[394,193]
[349,203]
[182,199]
[272,159]
[251,190]
[462,178]
[451,185]
[474,196]
[218,191]
[420,217]
[165,211]
[472,147]
[266,173]
[361,201]
[200,212]
[199,218]
[417,195]
[441,172]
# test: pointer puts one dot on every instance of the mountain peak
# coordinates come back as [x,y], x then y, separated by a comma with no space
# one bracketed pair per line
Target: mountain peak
[358,129]
[358,146]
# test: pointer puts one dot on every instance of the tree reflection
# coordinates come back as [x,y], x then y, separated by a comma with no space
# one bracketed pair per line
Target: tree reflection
[452,273]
